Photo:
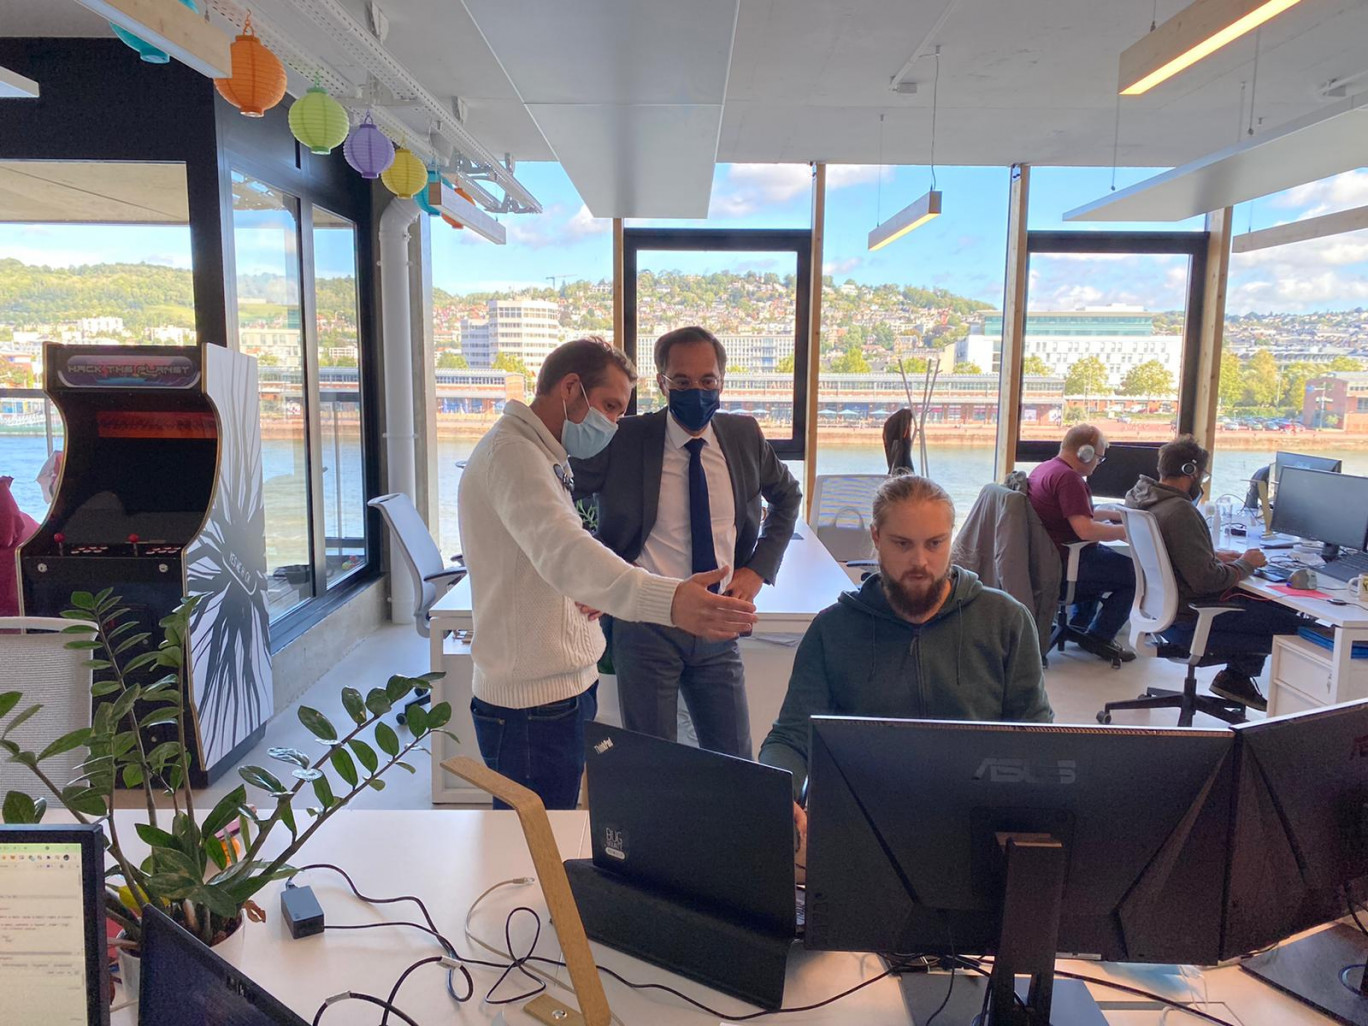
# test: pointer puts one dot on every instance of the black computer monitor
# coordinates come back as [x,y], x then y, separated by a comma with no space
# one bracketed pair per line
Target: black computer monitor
[184,983]
[53,964]
[1283,460]
[1122,469]
[1300,854]
[1021,840]
[1328,507]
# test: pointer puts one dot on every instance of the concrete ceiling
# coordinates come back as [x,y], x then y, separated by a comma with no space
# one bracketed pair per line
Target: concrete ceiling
[104,192]
[1020,80]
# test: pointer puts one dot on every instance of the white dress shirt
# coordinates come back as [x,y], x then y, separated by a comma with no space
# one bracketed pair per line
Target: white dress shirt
[669,547]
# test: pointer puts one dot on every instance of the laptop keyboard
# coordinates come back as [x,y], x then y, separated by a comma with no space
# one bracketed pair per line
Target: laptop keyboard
[1345,567]
[1273,573]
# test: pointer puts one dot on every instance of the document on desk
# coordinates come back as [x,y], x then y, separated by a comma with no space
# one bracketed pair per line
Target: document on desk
[42,935]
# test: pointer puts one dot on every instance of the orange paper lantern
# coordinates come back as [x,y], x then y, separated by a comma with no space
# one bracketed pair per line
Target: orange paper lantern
[453,222]
[258,80]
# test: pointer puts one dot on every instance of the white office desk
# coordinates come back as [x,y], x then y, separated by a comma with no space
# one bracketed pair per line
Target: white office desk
[448,857]
[809,580]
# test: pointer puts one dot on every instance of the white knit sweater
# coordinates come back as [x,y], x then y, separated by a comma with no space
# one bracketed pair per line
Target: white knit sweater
[530,561]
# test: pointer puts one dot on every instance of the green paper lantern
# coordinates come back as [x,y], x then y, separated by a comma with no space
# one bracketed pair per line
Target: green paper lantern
[318,121]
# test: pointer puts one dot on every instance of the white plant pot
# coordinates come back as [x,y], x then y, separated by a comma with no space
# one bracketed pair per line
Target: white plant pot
[130,965]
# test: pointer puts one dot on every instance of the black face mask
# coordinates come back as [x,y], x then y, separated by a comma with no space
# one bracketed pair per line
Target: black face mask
[1195,491]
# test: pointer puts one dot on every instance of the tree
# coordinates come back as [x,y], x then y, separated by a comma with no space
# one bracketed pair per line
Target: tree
[1346,363]
[1261,379]
[966,367]
[1294,379]
[506,361]
[1148,378]
[852,361]
[1035,365]
[785,365]
[1087,377]
[1231,389]
[452,361]
[883,335]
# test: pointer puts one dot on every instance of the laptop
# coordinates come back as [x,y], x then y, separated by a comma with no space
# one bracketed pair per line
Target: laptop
[53,966]
[185,984]
[692,865]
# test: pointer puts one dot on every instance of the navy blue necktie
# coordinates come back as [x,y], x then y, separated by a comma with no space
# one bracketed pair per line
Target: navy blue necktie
[700,512]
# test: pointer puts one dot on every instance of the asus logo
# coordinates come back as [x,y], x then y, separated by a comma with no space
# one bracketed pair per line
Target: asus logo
[1360,750]
[1019,771]
[603,745]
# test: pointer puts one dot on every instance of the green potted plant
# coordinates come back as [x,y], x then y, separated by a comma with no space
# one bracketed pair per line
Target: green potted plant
[197,870]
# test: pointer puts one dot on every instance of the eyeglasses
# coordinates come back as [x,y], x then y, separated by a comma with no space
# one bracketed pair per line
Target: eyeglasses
[710,382]
[1100,460]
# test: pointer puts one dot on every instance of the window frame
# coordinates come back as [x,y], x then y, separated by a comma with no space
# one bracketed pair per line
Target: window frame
[732,240]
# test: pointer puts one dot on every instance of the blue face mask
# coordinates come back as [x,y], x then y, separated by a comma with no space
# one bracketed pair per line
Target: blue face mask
[694,407]
[590,436]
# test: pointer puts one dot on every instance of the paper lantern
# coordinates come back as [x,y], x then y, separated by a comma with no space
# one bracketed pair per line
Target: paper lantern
[367,149]
[406,175]
[258,80]
[421,196]
[318,121]
[453,222]
[145,50]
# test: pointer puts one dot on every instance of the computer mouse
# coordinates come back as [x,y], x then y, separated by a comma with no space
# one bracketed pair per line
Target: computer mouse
[1337,602]
[1237,530]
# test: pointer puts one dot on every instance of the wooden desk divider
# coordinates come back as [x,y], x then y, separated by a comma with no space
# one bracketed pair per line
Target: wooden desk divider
[555,889]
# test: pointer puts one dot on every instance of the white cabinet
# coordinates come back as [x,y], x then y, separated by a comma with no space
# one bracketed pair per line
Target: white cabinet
[1302,677]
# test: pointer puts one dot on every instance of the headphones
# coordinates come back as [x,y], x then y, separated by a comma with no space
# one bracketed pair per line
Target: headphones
[1086,453]
[1189,469]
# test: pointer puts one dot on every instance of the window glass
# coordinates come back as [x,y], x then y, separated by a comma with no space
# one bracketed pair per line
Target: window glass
[266,244]
[339,394]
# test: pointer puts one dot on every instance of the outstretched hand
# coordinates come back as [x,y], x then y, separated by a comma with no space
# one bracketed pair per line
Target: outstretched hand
[711,617]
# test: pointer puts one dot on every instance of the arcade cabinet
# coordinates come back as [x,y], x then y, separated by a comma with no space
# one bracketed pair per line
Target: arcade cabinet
[160,497]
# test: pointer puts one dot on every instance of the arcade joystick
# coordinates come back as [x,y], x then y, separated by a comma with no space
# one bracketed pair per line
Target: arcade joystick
[60,539]
[133,540]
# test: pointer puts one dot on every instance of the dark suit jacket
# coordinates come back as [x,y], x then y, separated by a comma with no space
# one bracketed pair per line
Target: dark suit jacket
[626,479]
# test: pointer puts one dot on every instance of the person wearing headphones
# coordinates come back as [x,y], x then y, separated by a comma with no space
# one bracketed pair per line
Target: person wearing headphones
[921,639]
[1058,492]
[1205,574]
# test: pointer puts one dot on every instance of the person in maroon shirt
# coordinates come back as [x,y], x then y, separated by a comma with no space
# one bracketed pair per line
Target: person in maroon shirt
[1059,494]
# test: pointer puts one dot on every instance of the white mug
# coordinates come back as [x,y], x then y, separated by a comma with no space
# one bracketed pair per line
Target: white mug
[1360,584]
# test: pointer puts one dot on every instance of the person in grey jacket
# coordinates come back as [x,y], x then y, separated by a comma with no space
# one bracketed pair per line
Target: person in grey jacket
[1206,574]
[921,639]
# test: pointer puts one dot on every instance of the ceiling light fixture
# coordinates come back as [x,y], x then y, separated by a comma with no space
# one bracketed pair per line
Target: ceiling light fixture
[1196,31]
[921,210]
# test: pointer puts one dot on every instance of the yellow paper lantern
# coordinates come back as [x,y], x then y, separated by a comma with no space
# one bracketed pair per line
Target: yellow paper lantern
[406,175]
[318,121]
[258,80]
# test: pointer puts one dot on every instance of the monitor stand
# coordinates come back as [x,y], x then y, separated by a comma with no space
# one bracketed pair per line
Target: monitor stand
[1324,969]
[1035,865]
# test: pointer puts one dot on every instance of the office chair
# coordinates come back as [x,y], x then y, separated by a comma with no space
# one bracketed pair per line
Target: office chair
[34,660]
[413,544]
[1154,611]
[1064,631]
[842,508]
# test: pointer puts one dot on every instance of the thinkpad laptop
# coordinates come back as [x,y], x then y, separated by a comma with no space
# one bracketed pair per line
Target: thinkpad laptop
[692,862]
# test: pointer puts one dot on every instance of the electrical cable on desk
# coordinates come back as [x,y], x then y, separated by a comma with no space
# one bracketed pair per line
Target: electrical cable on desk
[349,995]
[638,986]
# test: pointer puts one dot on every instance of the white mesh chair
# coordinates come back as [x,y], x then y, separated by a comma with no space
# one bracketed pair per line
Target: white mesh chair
[414,547]
[842,511]
[1154,611]
[35,661]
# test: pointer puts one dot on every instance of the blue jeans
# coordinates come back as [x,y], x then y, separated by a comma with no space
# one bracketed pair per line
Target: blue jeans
[1104,592]
[1248,633]
[541,748]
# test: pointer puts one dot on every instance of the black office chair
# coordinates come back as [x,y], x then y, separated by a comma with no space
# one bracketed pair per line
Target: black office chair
[1154,611]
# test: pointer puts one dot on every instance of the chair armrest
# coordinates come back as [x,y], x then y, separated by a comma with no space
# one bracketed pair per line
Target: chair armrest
[1206,613]
[1071,568]
[454,572]
[459,558]
[862,562]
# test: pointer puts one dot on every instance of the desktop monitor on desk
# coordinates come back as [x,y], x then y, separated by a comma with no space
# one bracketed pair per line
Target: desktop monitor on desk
[1328,507]
[1295,460]
[1121,469]
[1020,840]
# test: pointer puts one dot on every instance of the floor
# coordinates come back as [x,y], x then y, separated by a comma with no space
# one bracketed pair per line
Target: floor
[1078,685]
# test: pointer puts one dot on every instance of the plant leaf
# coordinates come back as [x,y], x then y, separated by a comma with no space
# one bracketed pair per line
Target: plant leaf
[132,776]
[20,718]
[378,702]
[164,715]
[406,766]
[123,705]
[346,769]
[8,700]
[127,643]
[291,755]
[19,808]
[258,777]
[84,799]
[226,809]
[318,724]
[83,600]
[387,739]
[376,783]
[397,687]
[417,718]
[351,701]
[323,791]
[287,816]
[217,850]
[365,754]
[217,900]
[439,715]
[305,774]
[155,837]
[104,687]
[65,743]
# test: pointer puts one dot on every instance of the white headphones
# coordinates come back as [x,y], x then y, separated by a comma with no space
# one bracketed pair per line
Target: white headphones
[1188,469]
[1086,453]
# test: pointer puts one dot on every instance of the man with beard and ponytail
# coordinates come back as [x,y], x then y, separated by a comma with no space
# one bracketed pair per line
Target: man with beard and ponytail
[921,639]
[678,492]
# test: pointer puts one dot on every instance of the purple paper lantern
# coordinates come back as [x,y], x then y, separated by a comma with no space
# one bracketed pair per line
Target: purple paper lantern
[367,149]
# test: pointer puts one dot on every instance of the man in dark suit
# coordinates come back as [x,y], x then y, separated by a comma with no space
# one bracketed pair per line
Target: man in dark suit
[679,490]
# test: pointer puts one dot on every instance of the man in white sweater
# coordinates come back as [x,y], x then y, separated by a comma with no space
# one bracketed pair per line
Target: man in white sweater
[538,579]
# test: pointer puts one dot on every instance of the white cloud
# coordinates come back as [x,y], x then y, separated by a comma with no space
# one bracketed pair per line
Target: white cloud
[1301,277]
[750,187]
[584,224]
[1337,192]
[838,267]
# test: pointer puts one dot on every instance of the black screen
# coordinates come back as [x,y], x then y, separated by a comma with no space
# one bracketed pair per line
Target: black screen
[1122,469]
[1330,508]
[1283,460]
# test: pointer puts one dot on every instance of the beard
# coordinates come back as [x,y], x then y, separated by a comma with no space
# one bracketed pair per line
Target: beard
[913,596]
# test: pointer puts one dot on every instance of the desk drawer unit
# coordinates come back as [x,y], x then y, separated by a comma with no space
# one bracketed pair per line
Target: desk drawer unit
[1306,671]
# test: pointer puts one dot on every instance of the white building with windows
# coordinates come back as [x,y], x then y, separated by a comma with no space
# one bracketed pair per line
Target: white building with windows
[756,354]
[527,329]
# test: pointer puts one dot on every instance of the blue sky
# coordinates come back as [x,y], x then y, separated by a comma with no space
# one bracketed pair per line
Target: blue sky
[963,250]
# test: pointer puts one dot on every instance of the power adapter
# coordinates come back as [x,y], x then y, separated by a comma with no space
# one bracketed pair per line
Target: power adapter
[303,914]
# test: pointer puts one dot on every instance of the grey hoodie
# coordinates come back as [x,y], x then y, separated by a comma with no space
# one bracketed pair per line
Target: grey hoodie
[978,658]
[1201,576]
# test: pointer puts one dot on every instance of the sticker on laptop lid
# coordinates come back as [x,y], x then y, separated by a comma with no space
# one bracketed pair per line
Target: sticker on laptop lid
[615,843]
